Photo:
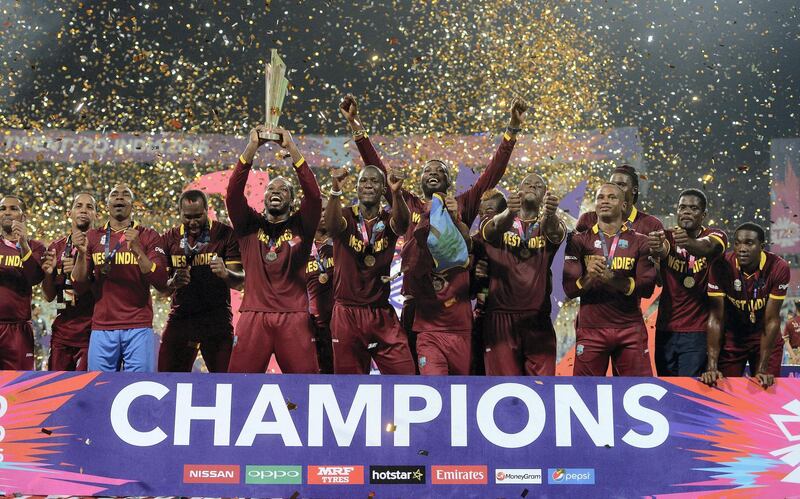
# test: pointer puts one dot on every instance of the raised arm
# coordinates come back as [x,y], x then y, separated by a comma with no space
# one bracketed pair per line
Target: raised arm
[553,227]
[401,216]
[311,204]
[497,166]
[709,246]
[494,228]
[239,211]
[334,221]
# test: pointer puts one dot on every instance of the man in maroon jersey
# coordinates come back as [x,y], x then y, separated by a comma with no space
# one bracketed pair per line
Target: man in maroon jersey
[609,268]
[275,249]
[364,238]
[319,282]
[72,326]
[685,254]
[204,262]
[791,334]
[627,179]
[124,260]
[522,241]
[438,306]
[20,270]
[746,288]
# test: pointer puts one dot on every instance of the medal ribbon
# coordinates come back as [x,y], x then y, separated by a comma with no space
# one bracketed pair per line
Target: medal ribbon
[756,286]
[527,234]
[609,253]
[109,256]
[190,251]
[369,240]
[320,261]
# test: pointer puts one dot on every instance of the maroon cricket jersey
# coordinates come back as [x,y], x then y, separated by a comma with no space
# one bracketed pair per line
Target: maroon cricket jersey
[73,323]
[468,201]
[278,285]
[520,282]
[355,282]
[206,294]
[122,297]
[639,221]
[792,330]
[744,292]
[18,274]
[602,305]
[683,306]
[320,294]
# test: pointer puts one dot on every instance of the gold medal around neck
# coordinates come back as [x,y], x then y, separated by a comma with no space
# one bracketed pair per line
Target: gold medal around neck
[323,278]
[369,261]
[688,282]
[272,256]
[752,316]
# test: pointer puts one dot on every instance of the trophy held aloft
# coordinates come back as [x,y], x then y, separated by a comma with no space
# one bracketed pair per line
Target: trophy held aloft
[276,88]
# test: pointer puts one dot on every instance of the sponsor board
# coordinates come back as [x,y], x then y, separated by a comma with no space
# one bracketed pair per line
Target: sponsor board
[505,476]
[397,475]
[273,475]
[335,475]
[460,475]
[570,476]
[210,473]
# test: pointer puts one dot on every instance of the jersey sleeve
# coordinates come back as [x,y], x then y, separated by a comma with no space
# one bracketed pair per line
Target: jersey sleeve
[573,266]
[233,255]
[779,280]
[717,275]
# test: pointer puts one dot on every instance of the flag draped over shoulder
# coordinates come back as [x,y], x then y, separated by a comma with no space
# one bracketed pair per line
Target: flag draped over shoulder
[445,241]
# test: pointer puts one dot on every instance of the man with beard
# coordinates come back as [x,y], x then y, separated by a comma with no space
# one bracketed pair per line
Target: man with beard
[319,281]
[20,270]
[627,179]
[205,264]
[275,248]
[746,288]
[126,259]
[72,326]
[437,313]
[685,255]
[522,241]
[609,268]
[364,238]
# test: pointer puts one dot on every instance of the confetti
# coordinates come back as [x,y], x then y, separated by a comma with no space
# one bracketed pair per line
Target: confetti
[291,406]
[46,431]
[391,427]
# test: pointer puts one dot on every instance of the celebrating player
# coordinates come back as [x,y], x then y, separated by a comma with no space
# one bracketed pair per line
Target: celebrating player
[684,254]
[609,268]
[20,270]
[72,326]
[205,264]
[319,281]
[626,178]
[522,241]
[126,259]
[275,247]
[437,312]
[364,238]
[746,289]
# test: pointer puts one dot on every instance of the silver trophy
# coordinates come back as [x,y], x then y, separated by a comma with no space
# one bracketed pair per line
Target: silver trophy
[276,88]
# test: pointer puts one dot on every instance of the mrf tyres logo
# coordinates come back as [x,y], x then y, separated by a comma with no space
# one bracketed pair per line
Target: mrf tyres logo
[570,476]
[335,475]
[397,475]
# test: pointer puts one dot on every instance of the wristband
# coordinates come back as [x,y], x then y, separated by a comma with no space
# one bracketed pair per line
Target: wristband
[513,131]
[360,134]
[336,193]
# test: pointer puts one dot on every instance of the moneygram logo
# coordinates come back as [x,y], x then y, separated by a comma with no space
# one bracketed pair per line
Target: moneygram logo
[515,476]
[459,475]
[273,475]
[210,473]
[335,475]
[570,476]
[397,475]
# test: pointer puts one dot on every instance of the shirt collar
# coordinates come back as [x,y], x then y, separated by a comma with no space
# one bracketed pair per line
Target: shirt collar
[633,214]
[596,228]
[134,224]
[760,264]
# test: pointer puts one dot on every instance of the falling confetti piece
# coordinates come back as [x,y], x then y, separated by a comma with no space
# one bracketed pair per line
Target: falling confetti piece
[291,406]
[390,427]
[46,431]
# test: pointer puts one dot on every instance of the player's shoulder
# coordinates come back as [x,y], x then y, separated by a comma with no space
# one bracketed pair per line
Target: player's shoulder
[172,233]
[220,229]
[35,244]
[715,231]
[776,263]
[58,244]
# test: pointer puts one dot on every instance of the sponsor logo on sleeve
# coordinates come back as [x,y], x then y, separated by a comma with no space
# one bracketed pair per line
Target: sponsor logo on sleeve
[397,475]
[335,475]
[273,475]
[570,476]
[210,473]
[459,475]
[513,476]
